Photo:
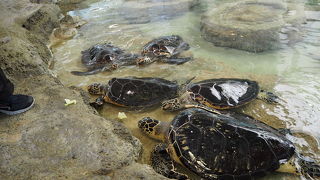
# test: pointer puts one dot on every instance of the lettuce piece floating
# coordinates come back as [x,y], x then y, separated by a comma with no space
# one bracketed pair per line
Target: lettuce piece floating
[69,102]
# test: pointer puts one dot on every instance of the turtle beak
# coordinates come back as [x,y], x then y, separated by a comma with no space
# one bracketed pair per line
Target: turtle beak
[140,61]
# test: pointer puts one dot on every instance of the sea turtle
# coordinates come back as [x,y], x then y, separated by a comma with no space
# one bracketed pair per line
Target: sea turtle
[105,57]
[222,146]
[165,49]
[224,93]
[134,92]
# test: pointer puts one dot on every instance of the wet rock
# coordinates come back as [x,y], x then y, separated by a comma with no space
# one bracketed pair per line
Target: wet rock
[64,33]
[54,140]
[248,25]
[136,171]
[43,1]
[72,21]
[5,40]
[42,21]
[70,1]
[28,28]
[66,30]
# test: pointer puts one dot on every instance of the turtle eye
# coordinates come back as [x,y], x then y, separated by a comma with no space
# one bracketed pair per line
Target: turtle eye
[107,58]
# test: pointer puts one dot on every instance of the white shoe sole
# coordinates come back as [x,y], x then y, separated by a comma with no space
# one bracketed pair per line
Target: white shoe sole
[18,111]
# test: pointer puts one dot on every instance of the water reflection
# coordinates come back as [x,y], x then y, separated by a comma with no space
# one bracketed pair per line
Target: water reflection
[292,72]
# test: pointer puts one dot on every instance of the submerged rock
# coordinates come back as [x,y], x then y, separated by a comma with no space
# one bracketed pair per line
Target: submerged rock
[248,25]
[66,30]
[139,12]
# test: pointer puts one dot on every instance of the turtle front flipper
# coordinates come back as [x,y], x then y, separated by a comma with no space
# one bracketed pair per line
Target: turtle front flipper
[177,61]
[268,97]
[98,70]
[79,73]
[98,103]
[163,164]
[301,165]
[199,106]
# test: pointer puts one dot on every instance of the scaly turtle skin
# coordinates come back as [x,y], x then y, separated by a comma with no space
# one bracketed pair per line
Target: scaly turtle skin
[105,57]
[222,146]
[165,49]
[219,94]
[134,92]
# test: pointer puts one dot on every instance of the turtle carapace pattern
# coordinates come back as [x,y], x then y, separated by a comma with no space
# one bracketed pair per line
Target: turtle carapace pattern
[165,49]
[105,57]
[223,93]
[222,146]
[134,91]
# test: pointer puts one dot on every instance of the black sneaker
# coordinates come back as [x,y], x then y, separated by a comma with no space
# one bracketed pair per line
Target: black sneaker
[16,104]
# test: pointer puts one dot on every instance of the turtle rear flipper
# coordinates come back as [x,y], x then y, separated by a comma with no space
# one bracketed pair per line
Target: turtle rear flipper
[79,73]
[301,165]
[308,167]
[163,164]
[95,71]
[176,60]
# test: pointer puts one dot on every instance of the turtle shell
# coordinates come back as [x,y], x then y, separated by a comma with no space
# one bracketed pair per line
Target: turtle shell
[136,92]
[99,55]
[226,146]
[224,93]
[165,46]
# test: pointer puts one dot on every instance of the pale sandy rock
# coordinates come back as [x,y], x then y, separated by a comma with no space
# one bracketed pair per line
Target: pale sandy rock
[52,141]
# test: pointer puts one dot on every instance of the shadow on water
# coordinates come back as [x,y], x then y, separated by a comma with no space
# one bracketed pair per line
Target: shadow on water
[292,71]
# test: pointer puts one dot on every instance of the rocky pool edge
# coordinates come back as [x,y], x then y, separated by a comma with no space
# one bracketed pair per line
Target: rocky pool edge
[52,141]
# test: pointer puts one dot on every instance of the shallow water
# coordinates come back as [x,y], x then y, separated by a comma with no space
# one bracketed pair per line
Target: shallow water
[292,72]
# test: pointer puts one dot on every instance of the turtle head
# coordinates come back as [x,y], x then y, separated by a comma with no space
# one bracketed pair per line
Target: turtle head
[105,57]
[97,88]
[153,128]
[172,105]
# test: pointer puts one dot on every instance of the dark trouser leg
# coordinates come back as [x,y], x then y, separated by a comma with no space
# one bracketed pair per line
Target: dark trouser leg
[12,104]
[6,87]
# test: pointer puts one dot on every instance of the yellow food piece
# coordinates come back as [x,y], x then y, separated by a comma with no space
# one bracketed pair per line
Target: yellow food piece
[69,102]
[122,115]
